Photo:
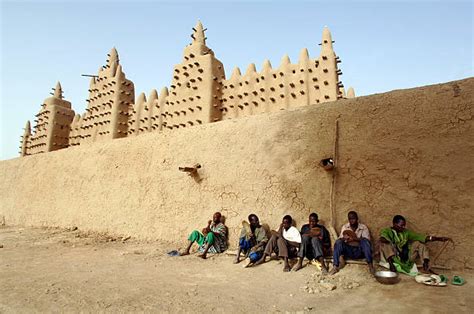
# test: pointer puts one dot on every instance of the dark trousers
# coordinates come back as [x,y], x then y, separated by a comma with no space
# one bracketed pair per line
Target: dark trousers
[363,250]
[281,246]
[311,247]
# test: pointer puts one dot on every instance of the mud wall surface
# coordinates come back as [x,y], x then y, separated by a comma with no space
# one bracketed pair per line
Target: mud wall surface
[406,152]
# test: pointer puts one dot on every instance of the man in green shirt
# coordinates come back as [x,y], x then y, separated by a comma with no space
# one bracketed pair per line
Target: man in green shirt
[400,247]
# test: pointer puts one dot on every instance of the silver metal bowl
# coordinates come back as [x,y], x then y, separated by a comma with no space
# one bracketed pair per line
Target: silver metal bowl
[387,277]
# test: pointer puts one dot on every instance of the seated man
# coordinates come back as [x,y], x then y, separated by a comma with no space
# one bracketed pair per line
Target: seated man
[252,240]
[212,239]
[285,242]
[353,243]
[315,243]
[400,247]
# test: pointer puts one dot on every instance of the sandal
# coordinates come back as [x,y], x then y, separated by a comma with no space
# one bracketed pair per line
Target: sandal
[457,281]
[430,280]
[444,278]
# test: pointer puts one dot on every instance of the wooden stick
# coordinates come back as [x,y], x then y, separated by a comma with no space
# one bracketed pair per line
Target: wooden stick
[445,244]
[333,182]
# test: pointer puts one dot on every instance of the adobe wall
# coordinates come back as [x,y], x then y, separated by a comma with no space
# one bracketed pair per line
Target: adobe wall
[407,151]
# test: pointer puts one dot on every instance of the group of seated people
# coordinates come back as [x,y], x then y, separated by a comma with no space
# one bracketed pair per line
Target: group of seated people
[399,247]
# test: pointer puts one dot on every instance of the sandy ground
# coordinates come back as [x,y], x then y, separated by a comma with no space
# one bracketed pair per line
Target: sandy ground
[44,270]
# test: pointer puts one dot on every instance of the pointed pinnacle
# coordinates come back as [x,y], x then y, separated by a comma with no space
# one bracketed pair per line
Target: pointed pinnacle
[267,66]
[113,56]
[153,95]
[350,93]
[327,38]
[251,69]
[28,127]
[236,73]
[198,35]
[58,92]
[141,99]
[164,92]
[304,55]
[285,60]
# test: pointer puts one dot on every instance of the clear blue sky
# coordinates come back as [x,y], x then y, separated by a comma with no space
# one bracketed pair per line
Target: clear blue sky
[383,45]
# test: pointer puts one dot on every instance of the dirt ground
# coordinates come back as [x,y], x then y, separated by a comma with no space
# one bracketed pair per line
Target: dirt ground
[45,270]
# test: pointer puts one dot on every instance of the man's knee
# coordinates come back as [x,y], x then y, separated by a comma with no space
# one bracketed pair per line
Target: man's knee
[386,250]
[420,249]
[274,238]
[210,238]
[281,241]
[365,243]
[339,244]
[194,236]
[316,241]
[305,238]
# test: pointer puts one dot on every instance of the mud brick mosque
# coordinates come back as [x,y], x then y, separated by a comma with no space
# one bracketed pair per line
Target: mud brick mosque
[199,93]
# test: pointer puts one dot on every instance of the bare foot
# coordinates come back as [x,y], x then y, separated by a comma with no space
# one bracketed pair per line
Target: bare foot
[260,261]
[342,262]
[393,268]
[237,260]
[371,269]
[324,271]
[286,268]
[297,267]
[247,263]
[184,253]
[333,271]
[203,256]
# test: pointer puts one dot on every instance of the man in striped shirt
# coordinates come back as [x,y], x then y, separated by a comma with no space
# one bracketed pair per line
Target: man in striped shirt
[212,239]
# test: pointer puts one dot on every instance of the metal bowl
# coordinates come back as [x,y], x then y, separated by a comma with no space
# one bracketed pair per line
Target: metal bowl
[387,277]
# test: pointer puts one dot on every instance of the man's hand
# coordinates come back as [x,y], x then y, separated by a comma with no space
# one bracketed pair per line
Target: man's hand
[280,230]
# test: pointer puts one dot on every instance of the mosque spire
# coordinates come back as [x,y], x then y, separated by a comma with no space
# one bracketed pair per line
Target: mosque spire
[350,93]
[113,57]
[113,60]
[326,42]
[26,139]
[28,128]
[58,92]
[198,34]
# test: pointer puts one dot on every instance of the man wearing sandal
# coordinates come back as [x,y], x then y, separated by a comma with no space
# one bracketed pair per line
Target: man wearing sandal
[252,240]
[285,242]
[315,243]
[212,239]
[400,247]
